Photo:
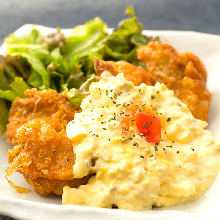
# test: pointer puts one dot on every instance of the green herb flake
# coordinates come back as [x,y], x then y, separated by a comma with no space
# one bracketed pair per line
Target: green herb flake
[148,123]
[168,119]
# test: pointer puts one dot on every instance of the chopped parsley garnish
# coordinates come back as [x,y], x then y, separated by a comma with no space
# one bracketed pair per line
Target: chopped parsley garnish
[114,118]
[104,128]
[170,146]
[142,156]
[148,132]
[152,97]
[148,123]
[135,144]
[168,119]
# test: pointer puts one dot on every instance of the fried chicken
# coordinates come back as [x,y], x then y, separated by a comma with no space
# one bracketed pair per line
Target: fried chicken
[132,73]
[182,72]
[42,152]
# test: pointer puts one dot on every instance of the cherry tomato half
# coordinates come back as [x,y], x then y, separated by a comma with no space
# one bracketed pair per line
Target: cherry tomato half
[149,126]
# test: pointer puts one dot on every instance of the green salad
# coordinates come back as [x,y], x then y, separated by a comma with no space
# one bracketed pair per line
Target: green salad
[64,63]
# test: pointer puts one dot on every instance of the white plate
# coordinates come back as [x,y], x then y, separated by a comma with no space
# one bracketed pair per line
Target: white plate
[32,206]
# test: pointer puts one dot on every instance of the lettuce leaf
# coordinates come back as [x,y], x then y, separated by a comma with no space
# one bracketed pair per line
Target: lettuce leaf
[85,39]
[65,74]
[3,116]
[35,79]
[3,80]
[84,43]
[76,96]
[8,95]
[36,56]
[65,64]
[33,37]
[123,42]
[19,86]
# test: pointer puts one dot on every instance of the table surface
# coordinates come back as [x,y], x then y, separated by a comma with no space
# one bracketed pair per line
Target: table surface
[196,15]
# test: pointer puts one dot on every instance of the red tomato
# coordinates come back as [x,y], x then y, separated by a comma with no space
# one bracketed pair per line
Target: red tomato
[149,126]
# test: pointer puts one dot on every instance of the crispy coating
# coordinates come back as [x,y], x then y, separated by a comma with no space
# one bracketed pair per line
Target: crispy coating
[47,105]
[182,72]
[42,151]
[132,73]
[45,186]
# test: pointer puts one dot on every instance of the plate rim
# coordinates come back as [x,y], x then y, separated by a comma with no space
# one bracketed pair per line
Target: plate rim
[24,209]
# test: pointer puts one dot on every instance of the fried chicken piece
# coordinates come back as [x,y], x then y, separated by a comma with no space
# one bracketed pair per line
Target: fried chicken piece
[47,105]
[136,74]
[182,72]
[45,186]
[42,152]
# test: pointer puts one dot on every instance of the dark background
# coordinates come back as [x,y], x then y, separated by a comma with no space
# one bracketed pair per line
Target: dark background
[196,15]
